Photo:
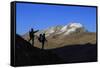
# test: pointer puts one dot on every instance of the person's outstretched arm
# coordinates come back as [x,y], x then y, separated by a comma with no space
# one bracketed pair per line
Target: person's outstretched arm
[36,31]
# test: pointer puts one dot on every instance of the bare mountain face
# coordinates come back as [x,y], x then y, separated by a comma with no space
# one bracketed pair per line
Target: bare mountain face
[59,36]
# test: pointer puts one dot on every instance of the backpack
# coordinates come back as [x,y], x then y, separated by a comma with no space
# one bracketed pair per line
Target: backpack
[40,39]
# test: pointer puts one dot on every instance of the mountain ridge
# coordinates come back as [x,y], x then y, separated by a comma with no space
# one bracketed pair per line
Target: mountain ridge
[66,29]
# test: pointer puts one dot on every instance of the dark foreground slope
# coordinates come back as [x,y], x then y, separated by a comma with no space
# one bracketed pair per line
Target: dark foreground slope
[26,54]
[77,53]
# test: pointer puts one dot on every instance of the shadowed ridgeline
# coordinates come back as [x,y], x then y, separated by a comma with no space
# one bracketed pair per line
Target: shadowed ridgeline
[26,54]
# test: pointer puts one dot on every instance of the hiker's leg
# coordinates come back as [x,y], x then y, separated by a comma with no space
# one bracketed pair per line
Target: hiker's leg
[43,45]
[33,42]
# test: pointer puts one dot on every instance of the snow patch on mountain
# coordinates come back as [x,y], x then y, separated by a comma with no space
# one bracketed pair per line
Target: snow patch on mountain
[70,31]
[64,28]
[77,25]
[72,28]
[67,29]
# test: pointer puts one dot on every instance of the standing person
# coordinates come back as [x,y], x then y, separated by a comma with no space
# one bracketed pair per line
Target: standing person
[32,35]
[42,39]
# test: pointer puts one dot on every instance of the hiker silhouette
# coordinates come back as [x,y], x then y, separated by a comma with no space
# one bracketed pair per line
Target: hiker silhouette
[32,35]
[42,39]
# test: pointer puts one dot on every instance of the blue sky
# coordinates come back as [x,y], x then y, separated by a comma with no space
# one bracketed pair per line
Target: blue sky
[39,16]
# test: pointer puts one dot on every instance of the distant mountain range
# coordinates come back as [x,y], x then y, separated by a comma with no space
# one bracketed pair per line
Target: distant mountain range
[59,36]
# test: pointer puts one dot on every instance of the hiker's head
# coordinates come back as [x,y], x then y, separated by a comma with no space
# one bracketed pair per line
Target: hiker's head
[40,34]
[43,34]
[32,29]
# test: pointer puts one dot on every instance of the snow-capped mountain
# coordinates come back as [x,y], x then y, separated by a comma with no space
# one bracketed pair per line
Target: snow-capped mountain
[73,27]
[64,30]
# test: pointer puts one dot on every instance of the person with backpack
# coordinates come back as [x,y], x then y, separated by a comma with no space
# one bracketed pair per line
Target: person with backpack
[42,39]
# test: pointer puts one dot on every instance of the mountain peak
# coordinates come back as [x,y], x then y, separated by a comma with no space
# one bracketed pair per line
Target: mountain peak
[77,25]
[70,28]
